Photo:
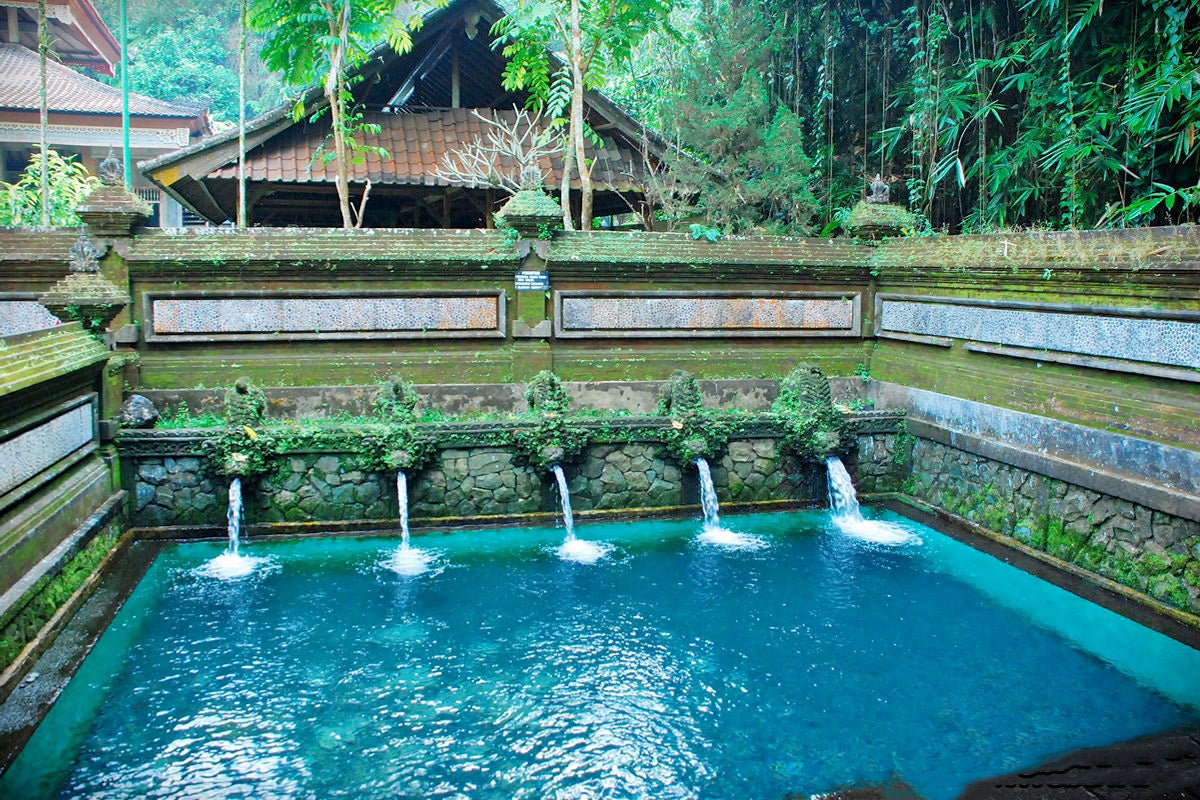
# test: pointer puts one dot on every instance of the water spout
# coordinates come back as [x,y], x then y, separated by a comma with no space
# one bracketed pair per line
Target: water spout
[708,495]
[573,549]
[234,516]
[564,497]
[713,532]
[843,507]
[843,500]
[402,505]
[407,560]
[232,564]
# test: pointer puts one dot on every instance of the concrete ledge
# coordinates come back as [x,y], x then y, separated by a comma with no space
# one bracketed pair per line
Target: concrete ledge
[1176,503]
[1160,476]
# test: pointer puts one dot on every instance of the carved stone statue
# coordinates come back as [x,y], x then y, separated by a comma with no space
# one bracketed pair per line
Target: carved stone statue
[112,171]
[879,190]
[84,255]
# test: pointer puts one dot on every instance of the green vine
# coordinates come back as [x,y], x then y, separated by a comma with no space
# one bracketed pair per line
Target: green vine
[239,450]
[387,448]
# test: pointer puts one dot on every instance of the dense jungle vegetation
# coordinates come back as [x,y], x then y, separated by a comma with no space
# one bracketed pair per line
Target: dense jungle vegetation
[980,113]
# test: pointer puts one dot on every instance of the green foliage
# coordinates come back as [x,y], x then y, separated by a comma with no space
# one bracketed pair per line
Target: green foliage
[387,448]
[187,52]
[310,40]
[747,166]
[550,440]
[23,621]
[593,37]
[70,183]
[545,394]
[239,450]
[550,437]
[245,404]
[979,115]
[183,418]
[705,232]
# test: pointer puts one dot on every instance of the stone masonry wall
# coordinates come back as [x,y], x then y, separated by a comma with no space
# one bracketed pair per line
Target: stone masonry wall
[468,482]
[754,470]
[314,487]
[1144,549]
[624,476]
[177,490]
[475,482]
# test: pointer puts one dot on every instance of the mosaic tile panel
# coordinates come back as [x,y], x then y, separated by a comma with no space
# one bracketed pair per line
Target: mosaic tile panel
[173,316]
[25,455]
[1157,341]
[690,315]
[20,316]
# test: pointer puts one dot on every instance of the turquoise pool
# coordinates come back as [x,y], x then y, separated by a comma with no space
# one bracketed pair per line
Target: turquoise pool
[669,668]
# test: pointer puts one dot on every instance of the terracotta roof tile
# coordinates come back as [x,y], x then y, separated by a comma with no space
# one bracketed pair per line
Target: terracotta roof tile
[68,90]
[418,143]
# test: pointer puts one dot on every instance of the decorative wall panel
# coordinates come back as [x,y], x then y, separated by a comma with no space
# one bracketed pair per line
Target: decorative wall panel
[325,316]
[705,314]
[28,453]
[21,316]
[1168,338]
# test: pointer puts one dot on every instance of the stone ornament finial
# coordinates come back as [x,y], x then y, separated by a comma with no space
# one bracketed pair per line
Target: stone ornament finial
[879,190]
[531,178]
[84,256]
[112,171]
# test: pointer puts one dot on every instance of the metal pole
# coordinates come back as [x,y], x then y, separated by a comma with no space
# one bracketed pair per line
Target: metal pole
[241,209]
[125,95]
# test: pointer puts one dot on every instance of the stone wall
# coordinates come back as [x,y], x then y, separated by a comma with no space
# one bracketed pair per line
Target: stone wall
[460,482]
[624,476]
[475,482]
[177,490]
[1145,549]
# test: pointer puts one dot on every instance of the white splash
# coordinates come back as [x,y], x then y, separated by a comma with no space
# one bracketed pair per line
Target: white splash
[714,533]
[843,507]
[231,564]
[572,549]
[408,561]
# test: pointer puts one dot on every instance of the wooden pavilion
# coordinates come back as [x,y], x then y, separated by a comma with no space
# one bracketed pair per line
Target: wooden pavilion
[427,102]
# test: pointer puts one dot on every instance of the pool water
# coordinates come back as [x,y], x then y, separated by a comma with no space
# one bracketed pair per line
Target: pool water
[669,668]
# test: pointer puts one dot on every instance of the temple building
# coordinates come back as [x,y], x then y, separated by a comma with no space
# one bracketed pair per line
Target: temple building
[84,114]
[437,98]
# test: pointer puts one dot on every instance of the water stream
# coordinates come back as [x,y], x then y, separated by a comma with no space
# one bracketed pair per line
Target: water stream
[231,563]
[843,507]
[713,532]
[573,549]
[407,560]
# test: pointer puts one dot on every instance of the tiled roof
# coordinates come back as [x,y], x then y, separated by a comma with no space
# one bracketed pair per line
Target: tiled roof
[418,143]
[68,90]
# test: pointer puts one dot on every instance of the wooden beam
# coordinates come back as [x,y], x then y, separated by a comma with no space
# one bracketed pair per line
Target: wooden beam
[455,78]
[428,61]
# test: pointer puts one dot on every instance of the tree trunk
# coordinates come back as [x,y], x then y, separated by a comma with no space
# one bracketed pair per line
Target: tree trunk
[576,126]
[44,111]
[339,26]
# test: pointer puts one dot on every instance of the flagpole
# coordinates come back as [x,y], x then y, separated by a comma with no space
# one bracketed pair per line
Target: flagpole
[125,95]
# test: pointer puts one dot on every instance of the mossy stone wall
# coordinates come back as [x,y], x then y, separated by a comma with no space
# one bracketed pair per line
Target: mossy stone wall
[177,490]
[464,483]
[1136,546]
